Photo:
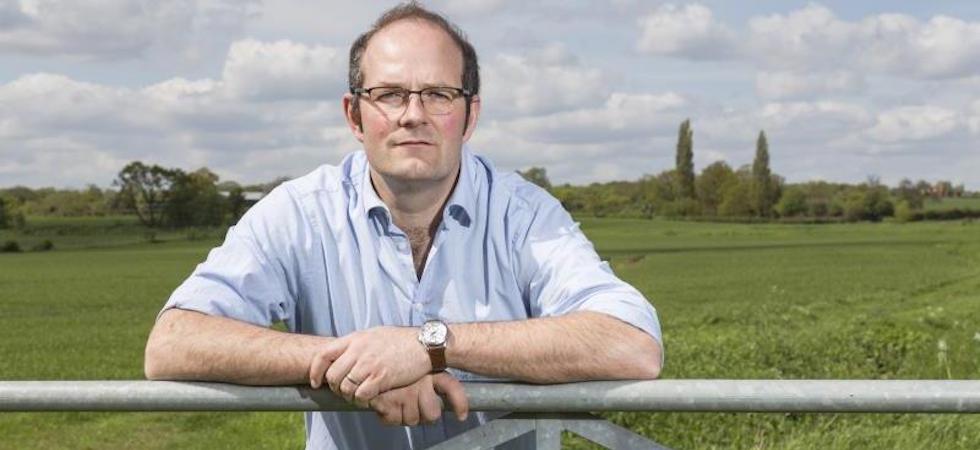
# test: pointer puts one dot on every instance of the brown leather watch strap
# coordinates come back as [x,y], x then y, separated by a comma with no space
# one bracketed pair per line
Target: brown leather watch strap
[438,357]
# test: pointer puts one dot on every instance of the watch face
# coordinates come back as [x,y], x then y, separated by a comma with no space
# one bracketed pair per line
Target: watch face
[434,333]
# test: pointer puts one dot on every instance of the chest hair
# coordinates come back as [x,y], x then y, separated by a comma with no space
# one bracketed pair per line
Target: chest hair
[420,239]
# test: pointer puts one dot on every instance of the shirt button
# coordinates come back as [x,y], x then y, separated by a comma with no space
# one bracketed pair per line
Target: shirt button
[417,306]
[402,246]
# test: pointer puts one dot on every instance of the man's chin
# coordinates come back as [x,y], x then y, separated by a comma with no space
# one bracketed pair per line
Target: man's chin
[414,171]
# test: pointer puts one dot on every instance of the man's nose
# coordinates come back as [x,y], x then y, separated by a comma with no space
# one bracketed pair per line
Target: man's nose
[414,113]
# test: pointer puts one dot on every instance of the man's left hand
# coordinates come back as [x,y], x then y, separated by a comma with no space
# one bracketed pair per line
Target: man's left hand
[363,364]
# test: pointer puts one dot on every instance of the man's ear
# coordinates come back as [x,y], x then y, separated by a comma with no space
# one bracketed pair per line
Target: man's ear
[472,118]
[352,112]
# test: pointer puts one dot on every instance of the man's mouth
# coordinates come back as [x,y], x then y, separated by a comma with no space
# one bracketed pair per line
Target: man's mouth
[413,142]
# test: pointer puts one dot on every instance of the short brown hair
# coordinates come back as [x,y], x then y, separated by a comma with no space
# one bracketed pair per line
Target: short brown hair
[412,10]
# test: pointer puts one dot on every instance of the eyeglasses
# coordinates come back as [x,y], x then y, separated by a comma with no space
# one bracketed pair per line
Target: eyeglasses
[435,100]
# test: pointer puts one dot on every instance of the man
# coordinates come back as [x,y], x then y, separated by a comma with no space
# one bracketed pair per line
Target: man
[409,257]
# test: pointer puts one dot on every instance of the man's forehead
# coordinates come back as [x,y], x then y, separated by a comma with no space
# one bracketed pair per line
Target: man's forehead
[410,43]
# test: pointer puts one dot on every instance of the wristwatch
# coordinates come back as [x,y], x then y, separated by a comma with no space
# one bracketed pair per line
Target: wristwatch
[434,335]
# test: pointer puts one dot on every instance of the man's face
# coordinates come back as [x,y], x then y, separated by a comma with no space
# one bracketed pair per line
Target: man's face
[412,145]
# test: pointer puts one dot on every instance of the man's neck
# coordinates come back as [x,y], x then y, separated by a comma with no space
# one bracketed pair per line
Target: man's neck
[414,205]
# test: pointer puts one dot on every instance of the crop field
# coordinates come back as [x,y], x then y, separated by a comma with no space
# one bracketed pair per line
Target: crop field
[868,301]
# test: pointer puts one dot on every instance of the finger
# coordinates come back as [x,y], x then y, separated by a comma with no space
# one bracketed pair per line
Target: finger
[323,359]
[388,412]
[410,412]
[430,405]
[366,391]
[448,386]
[338,370]
[347,388]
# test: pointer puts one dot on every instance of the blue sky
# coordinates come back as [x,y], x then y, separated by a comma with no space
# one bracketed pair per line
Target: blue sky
[593,90]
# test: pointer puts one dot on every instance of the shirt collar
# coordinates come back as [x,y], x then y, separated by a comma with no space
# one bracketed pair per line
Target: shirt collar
[459,209]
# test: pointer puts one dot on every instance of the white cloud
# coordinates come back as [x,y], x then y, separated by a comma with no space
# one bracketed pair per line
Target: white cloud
[814,38]
[544,80]
[913,123]
[784,85]
[690,31]
[469,7]
[284,70]
[227,124]
[117,29]
[792,41]
[624,116]
[974,120]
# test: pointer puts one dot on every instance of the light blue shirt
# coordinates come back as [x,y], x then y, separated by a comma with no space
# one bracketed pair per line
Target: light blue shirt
[321,254]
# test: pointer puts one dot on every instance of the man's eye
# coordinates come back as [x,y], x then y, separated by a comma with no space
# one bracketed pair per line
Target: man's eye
[389,96]
[439,96]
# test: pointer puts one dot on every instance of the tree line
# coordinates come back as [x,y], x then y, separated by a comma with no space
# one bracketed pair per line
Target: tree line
[158,196]
[751,192]
[171,197]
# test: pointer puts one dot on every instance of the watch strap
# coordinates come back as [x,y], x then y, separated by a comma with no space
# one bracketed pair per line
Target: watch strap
[438,357]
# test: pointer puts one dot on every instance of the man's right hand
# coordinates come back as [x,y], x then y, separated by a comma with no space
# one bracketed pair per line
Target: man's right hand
[419,402]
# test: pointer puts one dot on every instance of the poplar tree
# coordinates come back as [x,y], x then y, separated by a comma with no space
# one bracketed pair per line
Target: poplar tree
[685,160]
[762,178]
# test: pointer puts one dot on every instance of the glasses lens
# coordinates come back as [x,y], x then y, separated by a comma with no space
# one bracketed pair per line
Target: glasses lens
[391,98]
[438,100]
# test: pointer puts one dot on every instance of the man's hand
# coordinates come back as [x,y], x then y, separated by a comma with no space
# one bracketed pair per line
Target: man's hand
[362,365]
[419,402]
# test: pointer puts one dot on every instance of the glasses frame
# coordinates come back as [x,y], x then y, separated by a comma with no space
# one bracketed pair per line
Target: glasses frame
[407,94]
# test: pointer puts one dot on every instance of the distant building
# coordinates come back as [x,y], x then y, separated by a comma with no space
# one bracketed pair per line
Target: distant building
[252,198]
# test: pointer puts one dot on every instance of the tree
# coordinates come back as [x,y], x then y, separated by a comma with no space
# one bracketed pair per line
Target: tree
[194,200]
[236,204]
[876,200]
[736,199]
[4,213]
[959,190]
[792,203]
[538,176]
[924,188]
[762,184]
[911,194]
[710,185]
[143,189]
[11,212]
[685,160]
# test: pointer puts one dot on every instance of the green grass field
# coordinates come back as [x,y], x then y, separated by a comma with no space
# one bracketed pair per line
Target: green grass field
[879,301]
[951,203]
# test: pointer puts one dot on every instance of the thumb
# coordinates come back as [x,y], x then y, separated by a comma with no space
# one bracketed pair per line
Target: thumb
[324,358]
[450,388]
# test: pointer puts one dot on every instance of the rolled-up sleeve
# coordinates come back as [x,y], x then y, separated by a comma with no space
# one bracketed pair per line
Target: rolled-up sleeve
[563,273]
[246,277]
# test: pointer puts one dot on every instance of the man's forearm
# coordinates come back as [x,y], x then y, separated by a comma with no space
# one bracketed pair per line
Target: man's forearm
[187,345]
[578,346]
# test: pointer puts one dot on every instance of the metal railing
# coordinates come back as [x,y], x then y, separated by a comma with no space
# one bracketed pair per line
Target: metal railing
[543,410]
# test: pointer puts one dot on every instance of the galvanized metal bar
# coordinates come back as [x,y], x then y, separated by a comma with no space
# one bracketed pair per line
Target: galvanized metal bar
[161,396]
[608,434]
[876,396]
[488,435]
[547,433]
[900,396]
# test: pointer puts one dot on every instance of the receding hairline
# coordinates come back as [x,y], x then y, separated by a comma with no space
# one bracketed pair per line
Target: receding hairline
[421,21]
